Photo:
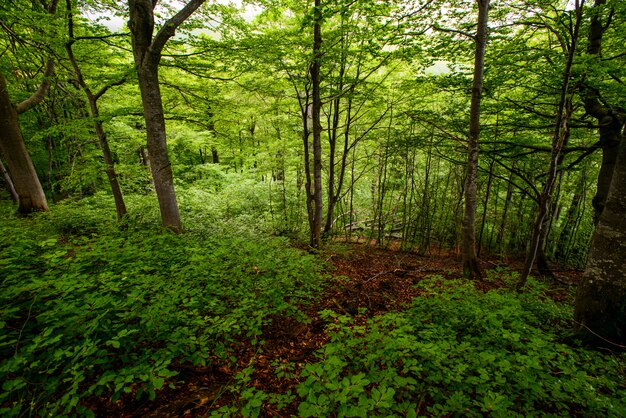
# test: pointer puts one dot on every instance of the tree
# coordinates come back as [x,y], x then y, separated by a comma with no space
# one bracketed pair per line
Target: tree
[559,139]
[27,185]
[611,117]
[359,46]
[8,182]
[92,99]
[471,267]
[147,50]
[24,176]
[600,307]
[316,98]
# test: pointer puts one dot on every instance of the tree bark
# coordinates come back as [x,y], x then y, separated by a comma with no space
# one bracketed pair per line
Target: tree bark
[485,207]
[561,135]
[600,307]
[317,127]
[157,147]
[505,210]
[31,196]
[9,183]
[610,118]
[471,267]
[147,53]
[109,164]
[570,220]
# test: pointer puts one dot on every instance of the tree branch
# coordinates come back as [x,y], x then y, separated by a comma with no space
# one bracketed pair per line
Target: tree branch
[460,32]
[104,89]
[100,37]
[169,28]
[41,92]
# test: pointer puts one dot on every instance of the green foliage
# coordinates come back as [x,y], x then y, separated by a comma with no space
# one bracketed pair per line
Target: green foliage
[115,313]
[458,351]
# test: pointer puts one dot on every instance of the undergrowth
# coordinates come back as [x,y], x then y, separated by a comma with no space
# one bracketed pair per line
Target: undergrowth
[461,352]
[89,309]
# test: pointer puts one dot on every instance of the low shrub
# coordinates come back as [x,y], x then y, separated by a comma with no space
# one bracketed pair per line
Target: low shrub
[113,313]
[461,352]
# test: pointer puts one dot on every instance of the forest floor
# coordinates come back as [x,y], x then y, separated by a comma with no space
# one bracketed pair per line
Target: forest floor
[379,280]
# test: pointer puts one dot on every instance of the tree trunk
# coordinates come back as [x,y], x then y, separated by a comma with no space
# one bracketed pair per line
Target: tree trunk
[561,135]
[485,207]
[109,164]
[505,210]
[157,147]
[31,197]
[610,119]
[471,267]
[9,183]
[147,54]
[543,266]
[317,128]
[600,308]
[570,220]
[333,128]
[609,142]
[332,145]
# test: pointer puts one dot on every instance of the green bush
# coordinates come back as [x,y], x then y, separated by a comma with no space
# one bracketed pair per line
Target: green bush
[461,352]
[114,313]
[86,216]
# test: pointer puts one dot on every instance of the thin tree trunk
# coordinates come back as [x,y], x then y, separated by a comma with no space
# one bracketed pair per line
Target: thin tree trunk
[485,206]
[455,244]
[352,180]
[9,183]
[471,267]
[382,192]
[495,215]
[49,147]
[109,164]
[425,207]
[505,210]
[317,127]
[444,214]
[543,266]
[333,127]
[561,134]
[570,220]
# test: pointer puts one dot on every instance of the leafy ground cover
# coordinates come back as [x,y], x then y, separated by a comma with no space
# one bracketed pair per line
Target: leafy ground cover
[94,315]
[125,322]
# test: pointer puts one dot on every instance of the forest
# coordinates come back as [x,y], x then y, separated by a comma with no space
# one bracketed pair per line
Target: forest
[313,208]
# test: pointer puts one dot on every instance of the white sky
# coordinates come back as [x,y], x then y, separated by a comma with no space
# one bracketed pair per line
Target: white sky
[118,23]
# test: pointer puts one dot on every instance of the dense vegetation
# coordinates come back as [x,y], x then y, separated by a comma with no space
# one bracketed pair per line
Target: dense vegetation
[88,309]
[93,312]
[176,178]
